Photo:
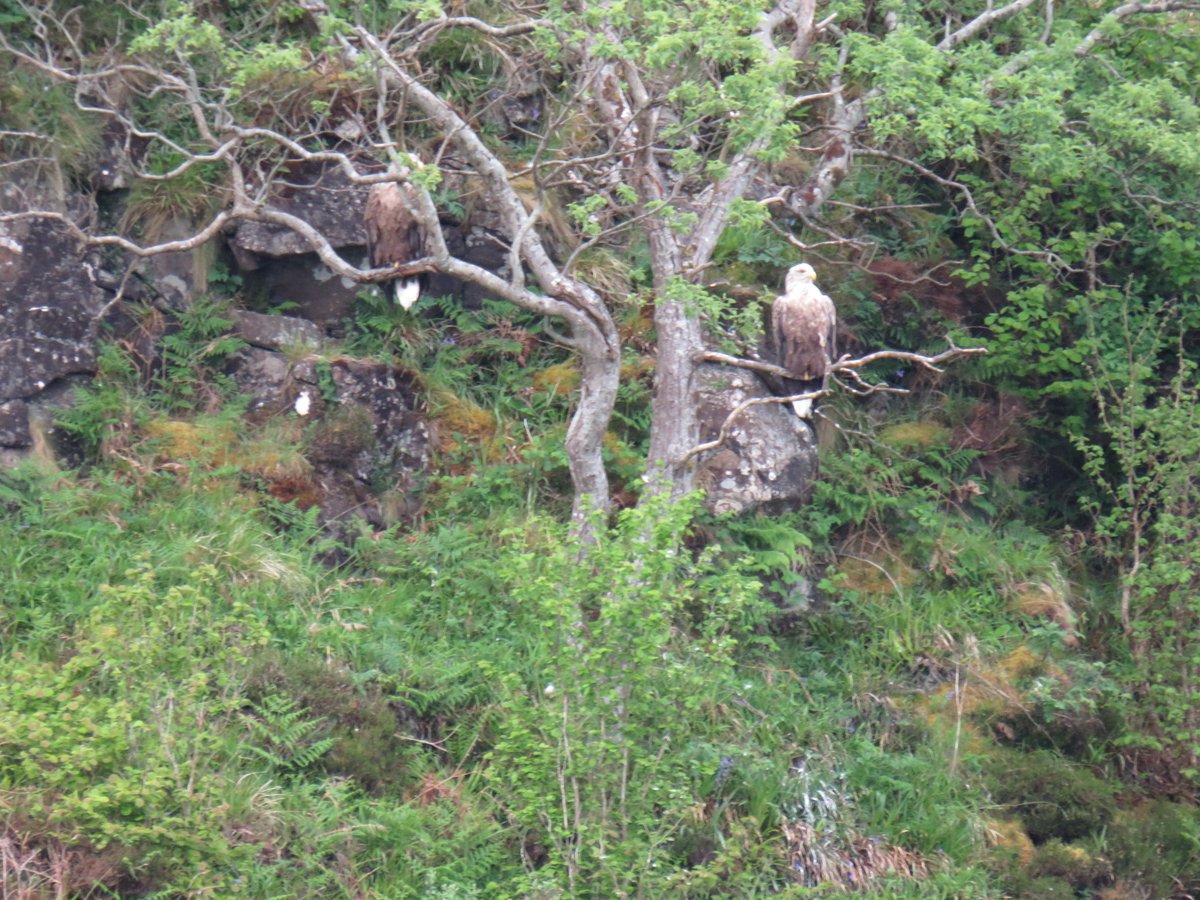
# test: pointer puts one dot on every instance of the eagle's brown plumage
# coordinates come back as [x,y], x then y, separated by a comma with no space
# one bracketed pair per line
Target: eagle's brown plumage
[393,235]
[803,327]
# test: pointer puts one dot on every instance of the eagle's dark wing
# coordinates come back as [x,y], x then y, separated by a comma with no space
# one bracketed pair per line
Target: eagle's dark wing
[393,235]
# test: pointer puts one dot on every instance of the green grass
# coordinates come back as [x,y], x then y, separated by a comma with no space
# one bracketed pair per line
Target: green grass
[387,728]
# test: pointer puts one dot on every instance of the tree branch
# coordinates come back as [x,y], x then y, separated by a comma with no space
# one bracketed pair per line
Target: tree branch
[982,21]
[847,363]
[723,434]
[1084,47]
[847,366]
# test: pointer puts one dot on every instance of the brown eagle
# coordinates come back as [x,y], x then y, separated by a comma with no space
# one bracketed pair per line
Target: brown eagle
[803,328]
[393,235]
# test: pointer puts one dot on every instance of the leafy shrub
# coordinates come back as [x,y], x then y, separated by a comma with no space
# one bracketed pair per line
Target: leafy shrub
[587,748]
[120,742]
[1052,797]
[1157,844]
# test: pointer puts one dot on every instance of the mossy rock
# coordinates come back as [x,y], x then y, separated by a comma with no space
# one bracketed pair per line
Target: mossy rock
[1052,797]
[340,437]
[1070,863]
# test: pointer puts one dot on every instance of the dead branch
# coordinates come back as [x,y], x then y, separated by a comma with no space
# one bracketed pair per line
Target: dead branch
[1124,11]
[848,364]
[846,367]
[982,21]
[932,363]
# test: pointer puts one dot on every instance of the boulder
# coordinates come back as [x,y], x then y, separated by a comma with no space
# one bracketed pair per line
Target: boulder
[319,194]
[309,287]
[391,397]
[275,332]
[371,452]
[50,305]
[769,456]
[367,442]
[266,378]
[178,277]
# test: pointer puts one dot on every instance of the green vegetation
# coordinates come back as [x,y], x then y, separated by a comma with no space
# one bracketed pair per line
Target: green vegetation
[968,668]
[886,688]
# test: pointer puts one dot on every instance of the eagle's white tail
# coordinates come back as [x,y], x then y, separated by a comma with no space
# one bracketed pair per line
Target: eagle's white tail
[407,291]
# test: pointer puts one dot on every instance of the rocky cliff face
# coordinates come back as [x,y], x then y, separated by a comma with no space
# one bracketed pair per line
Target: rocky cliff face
[369,445]
[58,301]
[51,304]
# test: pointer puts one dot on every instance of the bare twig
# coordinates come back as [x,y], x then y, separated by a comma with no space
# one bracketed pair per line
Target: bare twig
[723,434]
[982,21]
[1124,11]
[847,366]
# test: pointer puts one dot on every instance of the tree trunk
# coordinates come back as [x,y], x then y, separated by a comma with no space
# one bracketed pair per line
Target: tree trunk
[675,427]
[600,375]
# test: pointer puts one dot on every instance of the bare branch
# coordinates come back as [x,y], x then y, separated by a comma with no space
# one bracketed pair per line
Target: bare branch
[1048,30]
[499,31]
[113,240]
[1124,11]
[33,135]
[861,387]
[846,366]
[932,363]
[723,434]
[754,365]
[982,21]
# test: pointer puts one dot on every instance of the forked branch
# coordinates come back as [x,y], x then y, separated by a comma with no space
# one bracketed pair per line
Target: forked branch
[847,367]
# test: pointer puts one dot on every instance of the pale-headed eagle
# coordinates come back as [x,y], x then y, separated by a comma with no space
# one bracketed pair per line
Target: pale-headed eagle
[803,328]
[393,234]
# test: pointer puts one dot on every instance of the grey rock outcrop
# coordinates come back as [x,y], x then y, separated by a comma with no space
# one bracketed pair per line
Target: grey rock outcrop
[284,266]
[769,457]
[315,292]
[368,442]
[371,450]
[320,195]
[50,305]
[14,424]
[275,332]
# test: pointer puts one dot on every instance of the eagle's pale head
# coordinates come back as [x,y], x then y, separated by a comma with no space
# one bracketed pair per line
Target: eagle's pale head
[798,276]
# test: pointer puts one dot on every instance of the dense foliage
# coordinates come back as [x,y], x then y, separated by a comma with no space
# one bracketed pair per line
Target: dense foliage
[967,668]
